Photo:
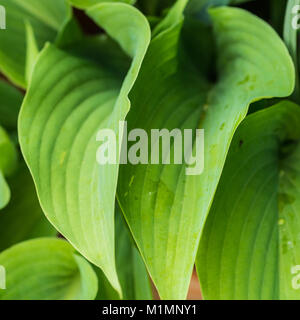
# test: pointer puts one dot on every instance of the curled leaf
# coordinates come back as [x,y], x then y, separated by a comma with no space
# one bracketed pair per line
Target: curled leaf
[46,269]
[59,121]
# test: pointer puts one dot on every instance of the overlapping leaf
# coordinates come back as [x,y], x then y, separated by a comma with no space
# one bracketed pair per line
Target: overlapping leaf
[250,244]
[59,121]
[46,18]
[46,269]
[164,208]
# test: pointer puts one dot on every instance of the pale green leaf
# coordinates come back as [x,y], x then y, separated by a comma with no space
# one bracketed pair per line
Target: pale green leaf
[46,269]
[250,244]
[166,209]
[59,121]
[46,18]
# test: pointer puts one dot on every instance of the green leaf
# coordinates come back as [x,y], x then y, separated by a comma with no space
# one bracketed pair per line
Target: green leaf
[165,208]
[23,218]
[132,273]
[46,269]
[31,52]
[60,118]
[11,100]
[250,248]
[46,18]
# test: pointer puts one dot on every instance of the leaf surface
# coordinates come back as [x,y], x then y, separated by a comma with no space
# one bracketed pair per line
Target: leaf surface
[250,244]
[165,208]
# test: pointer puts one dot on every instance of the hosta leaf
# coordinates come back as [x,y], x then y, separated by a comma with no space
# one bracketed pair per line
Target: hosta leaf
[46,269]
[165,208]
[59,121]
[23,218]
[250,244]
[132,273]
[46,18]
[11,100]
